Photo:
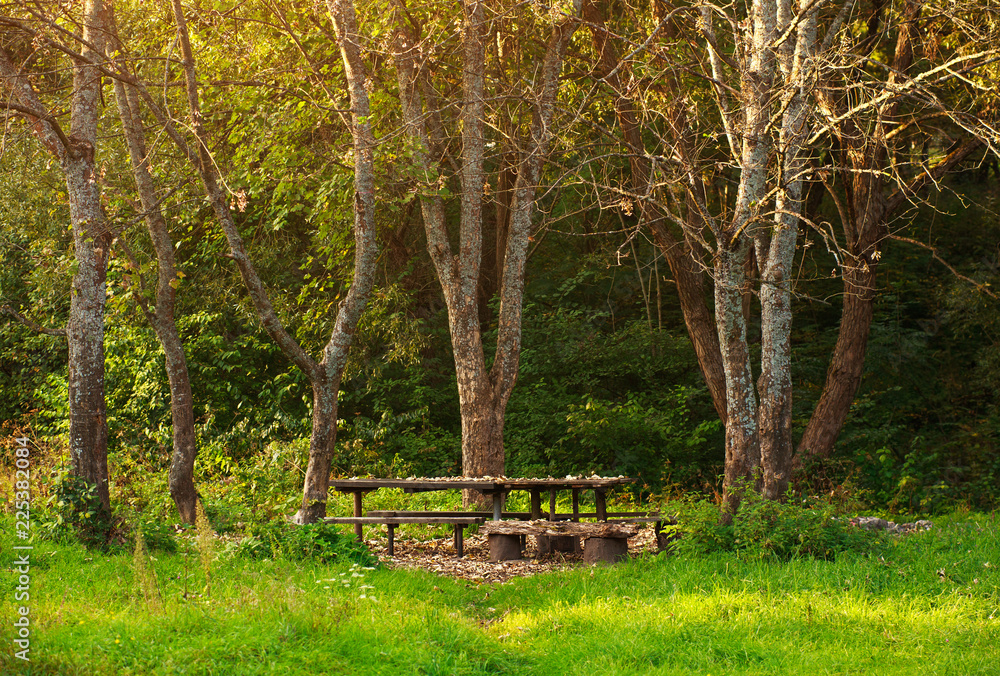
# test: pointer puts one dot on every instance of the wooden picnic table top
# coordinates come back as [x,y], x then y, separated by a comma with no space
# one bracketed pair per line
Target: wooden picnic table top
[484,484]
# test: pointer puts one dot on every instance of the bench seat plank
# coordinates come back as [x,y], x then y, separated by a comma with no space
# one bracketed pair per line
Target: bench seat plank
[435,513]
[646,517]
[392,522]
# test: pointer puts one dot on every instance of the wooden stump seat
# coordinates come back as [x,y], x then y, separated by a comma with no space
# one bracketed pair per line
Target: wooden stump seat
[603,541]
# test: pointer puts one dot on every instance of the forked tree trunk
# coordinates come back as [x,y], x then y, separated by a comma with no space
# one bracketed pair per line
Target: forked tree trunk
[870,212]
[865,154]
[483,393]
[776,252]
[325,375]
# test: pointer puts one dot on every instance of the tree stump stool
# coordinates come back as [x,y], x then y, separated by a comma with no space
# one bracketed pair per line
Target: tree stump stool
[504,537]
[504,547]
[605,550]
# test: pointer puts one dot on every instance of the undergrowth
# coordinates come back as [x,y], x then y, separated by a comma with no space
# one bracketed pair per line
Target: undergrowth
[816,528]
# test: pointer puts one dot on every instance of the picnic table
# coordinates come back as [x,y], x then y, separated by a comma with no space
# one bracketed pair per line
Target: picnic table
[501,536]
[497,487]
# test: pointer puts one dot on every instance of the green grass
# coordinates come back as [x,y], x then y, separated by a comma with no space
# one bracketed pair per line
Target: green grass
[926,604]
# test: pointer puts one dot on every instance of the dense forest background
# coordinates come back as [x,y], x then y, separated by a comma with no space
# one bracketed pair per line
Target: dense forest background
[609,381]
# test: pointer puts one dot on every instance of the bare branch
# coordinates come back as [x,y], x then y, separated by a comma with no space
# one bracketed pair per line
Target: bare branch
[983,288]
[31,324]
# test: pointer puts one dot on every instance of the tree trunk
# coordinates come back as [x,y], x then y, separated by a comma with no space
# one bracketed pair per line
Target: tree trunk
[866,153]
[846,368]
[774,387]
[843,377]
[742,440]
[322,441]
[88,426]
[776,252]
[483,395]
[865,231]
[161,318]
[324,375]
[482,429]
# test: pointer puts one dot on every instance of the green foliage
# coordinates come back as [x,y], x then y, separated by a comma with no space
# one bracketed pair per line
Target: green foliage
[318,542]
[636,440]
[622,402]
[73,511]
[770,529]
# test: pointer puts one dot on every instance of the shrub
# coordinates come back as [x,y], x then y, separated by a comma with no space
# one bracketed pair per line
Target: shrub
[317,542]
[767,528]
[73,511]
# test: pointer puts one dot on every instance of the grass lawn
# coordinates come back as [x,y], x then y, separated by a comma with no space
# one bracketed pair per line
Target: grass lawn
[925,604]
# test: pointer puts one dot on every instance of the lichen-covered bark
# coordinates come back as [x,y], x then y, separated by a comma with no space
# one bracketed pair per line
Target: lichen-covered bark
[776,250]
[742,440]
[734,242]
[88,427]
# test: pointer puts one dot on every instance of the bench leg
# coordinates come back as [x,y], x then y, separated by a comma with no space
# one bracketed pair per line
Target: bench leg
[536,504]
[392,538]
[459,536]
[557,543]
[358,531]
[498,501]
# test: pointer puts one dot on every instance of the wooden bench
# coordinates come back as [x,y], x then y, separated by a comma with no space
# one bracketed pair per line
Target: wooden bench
[392,521]
[603,541]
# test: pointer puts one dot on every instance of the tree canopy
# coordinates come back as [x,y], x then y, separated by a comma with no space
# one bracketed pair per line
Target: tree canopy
[683,241]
